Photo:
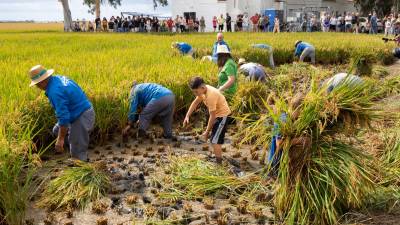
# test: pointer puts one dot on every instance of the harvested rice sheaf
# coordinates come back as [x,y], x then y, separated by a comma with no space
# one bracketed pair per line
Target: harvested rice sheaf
[77,186]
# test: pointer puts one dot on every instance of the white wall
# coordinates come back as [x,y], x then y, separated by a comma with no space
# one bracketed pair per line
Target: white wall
[206,8]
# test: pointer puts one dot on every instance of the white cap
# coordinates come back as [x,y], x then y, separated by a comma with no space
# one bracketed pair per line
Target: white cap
[242,61]
[223,49]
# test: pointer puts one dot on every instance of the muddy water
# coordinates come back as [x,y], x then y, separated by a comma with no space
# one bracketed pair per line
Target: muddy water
[133,199]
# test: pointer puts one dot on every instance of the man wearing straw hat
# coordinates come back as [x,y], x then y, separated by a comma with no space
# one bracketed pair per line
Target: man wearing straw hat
[73,110]
[252,71]
[304,50]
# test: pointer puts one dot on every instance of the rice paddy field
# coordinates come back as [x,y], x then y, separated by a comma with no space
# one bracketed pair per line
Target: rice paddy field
[349,174]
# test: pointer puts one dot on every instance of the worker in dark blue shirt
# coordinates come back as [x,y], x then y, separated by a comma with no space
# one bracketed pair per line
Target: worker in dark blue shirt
[304,50]
[73,110]
[184,48]
[154,100]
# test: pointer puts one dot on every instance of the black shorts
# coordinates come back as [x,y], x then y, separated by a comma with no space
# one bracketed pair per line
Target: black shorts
[219,130]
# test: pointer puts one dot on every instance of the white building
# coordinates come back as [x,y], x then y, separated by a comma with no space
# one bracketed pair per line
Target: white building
[210,8]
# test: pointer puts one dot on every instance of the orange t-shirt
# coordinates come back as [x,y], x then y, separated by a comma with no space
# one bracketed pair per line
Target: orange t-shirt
[215,101]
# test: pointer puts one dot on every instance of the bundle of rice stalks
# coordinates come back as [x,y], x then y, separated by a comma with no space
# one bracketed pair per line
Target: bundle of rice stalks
[320,175]
[76,187]
[249,98]
[387,195]
[193,178]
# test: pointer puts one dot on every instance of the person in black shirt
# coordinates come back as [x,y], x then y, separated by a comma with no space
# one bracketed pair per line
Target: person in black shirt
[97,21]
[156,24]
[125,25]
[228,23]
[135,24]
[142,22]
[111,24]
[119,24]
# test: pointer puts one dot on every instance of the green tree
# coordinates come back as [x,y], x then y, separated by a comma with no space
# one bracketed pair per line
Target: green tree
[94,6]
[381,7]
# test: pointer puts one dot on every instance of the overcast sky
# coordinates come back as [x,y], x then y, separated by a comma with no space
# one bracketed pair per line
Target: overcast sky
[51,10]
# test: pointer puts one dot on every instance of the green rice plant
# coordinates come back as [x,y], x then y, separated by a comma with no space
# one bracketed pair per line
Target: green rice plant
[18,164]
[76,186]
[249,98]
[192,178]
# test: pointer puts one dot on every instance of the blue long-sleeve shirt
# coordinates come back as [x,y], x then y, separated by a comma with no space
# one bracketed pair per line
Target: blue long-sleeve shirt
[67,99]
[184,48]
[214,50]
[300,48]
[142,94]
[261,46]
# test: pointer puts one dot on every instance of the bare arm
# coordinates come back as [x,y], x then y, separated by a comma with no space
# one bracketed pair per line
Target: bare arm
[192,107]
[228,84]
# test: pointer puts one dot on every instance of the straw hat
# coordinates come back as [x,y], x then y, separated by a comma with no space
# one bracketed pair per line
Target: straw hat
[296,43]
[223,49]
[38,74]
[242,61]
[174,44]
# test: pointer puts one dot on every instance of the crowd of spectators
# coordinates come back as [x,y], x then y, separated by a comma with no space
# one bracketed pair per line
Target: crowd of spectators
[350,22]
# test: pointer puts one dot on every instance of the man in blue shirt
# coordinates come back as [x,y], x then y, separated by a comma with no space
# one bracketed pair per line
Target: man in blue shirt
[304,50]
[252,71]
[269,49]
[184,48]
[73,110]
[154,100]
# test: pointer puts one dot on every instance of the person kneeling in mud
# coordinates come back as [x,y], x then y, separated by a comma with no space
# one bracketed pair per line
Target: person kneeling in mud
[184,48]
[219,113]
[269,49]
[275,149]
[252,71]
[154,100]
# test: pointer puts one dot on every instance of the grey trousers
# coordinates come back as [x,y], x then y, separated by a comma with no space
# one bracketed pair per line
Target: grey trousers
[78,134]
[164,108]
[308,52]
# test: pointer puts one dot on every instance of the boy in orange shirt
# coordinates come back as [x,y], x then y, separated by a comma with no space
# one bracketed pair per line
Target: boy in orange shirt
[219,113]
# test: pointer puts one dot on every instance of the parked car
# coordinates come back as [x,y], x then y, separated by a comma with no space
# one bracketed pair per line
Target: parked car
[364,28]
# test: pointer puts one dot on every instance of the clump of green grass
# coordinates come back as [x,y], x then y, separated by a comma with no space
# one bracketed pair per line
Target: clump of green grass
[18,163]
[76,186]
[189,177]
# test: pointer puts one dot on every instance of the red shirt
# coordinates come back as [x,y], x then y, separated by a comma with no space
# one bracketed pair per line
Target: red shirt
[254,19]
[170,23]
[214,22]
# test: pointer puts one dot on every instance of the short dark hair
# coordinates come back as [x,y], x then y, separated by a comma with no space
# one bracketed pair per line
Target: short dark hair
[196,82]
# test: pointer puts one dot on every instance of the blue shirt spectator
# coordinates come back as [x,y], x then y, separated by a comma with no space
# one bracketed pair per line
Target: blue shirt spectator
[214,50]
[142,94]
[300,48]
[184,48]
[67,98]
